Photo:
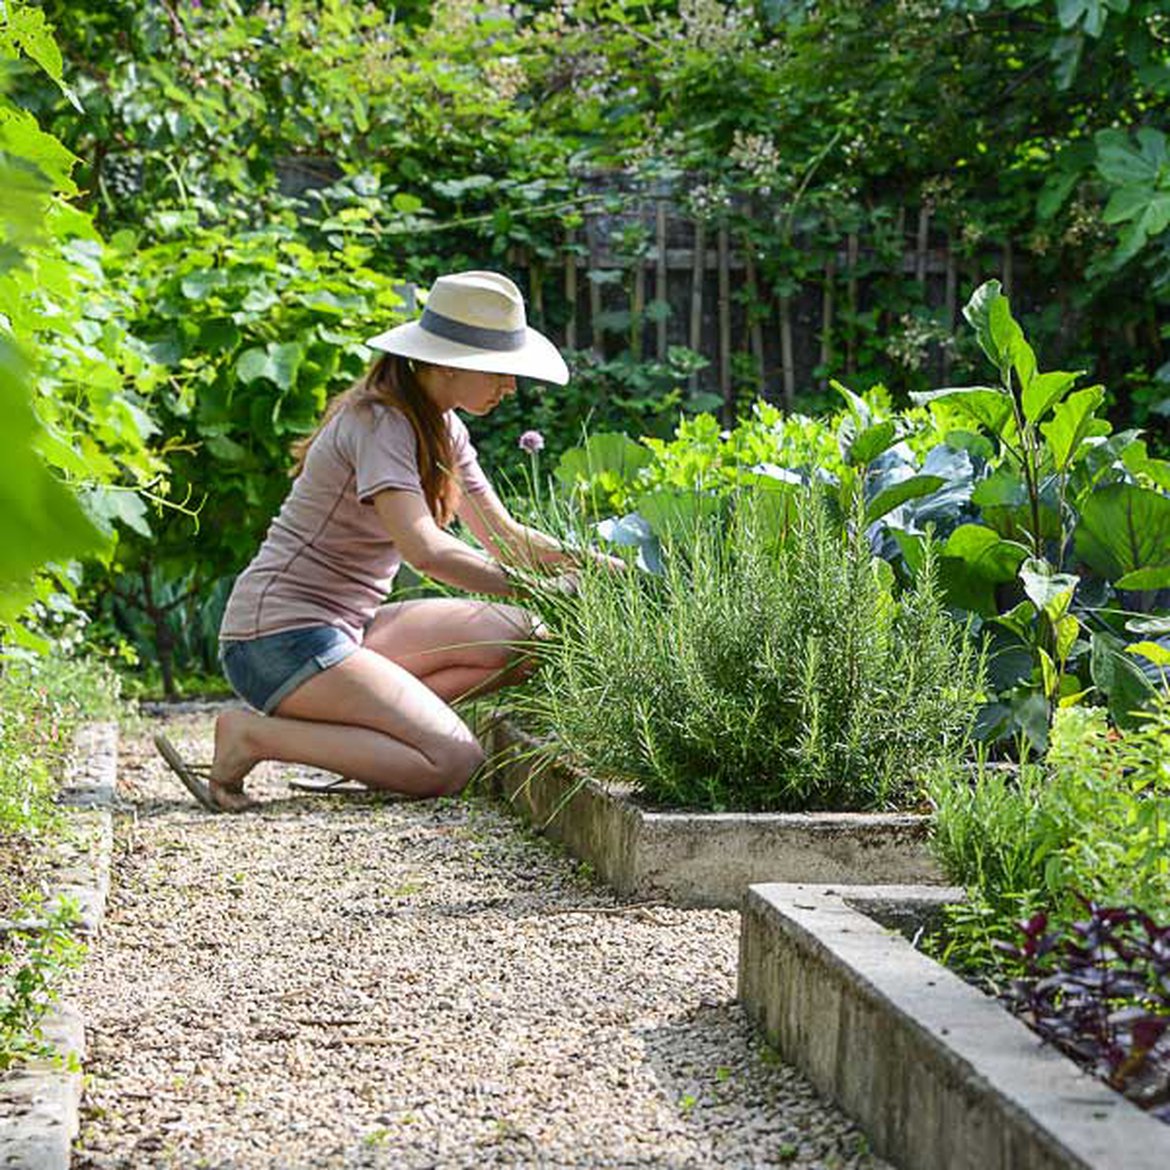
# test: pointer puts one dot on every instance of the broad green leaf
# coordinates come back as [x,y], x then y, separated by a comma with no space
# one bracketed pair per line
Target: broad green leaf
[1125,203]
[1123,528]
[606,451]
[1031,713]
[913,549]
[984,552]
[858,407]
[1007,341]
[252,364]
[196,285]
[1158,654]
[892,497]
[871,442]
[987,406]
[1157,577]
[21,137]
[260,299]
[60,454]
[1066,629]
[1049,591]
[675,515]
[286,359]
[1049,675]
[1003,488]
[406,203]
[1045,391]
[1120,679]
[226,449]
[40,519]
[1055,192]
[973,561]
[1071,422]
[106,503]
[1120,163]
[977,311]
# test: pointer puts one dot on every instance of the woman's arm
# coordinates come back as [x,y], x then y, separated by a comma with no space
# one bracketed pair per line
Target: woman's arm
[514,543]
[426,547]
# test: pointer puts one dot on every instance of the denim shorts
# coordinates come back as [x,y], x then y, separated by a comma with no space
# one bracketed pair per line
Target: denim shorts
[264,670]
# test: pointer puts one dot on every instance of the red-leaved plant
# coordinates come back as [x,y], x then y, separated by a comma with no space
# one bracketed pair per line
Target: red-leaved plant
[1100,991]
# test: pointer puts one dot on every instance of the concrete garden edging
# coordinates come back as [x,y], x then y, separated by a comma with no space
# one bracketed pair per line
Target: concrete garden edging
[938,1074]
[702,859]
[40,1100]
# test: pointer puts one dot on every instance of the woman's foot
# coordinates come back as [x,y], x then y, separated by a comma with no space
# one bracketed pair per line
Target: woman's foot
[233,761]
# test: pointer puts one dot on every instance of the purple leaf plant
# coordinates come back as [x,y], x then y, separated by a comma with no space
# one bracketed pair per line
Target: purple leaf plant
[1099,990]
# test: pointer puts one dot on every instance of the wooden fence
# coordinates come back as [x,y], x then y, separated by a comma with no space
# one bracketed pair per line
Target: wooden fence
[694,284]
[703,289]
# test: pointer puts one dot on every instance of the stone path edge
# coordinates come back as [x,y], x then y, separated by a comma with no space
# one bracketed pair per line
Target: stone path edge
[700,859]
[40,1101]
[936,1072]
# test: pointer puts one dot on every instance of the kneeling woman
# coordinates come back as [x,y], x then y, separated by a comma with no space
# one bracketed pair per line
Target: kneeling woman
[337,679]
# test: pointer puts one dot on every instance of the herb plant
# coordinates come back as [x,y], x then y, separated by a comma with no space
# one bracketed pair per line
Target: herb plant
[771,665]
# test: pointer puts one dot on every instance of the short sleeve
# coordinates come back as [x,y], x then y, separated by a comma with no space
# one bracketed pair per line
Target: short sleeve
[466,461]
[385,453]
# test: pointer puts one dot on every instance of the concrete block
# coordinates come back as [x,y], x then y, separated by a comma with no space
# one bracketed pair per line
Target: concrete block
[701,859]
[39,1100]
[940,1076]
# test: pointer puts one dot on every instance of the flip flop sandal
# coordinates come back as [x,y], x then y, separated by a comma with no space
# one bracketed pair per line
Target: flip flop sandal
[341,786]
[195,777]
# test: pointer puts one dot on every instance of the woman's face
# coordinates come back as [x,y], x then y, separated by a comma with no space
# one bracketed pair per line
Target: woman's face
[474,391]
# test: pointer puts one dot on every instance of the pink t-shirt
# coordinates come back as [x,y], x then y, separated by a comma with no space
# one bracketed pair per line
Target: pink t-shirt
[327,559]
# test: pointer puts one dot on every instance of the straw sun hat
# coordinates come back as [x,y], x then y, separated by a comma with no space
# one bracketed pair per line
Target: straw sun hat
[475,321]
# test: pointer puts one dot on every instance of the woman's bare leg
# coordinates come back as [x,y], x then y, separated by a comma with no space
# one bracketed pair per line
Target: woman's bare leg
[458,648]
[366,717]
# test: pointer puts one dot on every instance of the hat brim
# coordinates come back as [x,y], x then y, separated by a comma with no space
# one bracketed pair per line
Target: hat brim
[537,358]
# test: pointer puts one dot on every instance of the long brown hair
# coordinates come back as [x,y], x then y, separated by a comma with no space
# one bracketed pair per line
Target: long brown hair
[393,381]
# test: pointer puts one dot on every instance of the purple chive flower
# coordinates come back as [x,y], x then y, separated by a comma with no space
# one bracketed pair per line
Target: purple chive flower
[532,441]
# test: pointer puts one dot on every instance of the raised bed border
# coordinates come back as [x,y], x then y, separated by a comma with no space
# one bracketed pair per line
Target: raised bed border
[937,1073]
[40,1100]
[700,859]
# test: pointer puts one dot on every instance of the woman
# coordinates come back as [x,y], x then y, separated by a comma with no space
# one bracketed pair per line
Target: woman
[336,679]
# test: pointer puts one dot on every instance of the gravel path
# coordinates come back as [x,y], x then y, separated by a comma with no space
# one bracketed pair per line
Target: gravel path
[348,983]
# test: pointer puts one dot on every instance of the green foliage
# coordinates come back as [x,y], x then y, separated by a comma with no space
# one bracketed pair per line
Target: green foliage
[71,380]
[1092,820]
[44,699]
[255,331]
[1061,500]
[461,131]
[770,666]
[32,964]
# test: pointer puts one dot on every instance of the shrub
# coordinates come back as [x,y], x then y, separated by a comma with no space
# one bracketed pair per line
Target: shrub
[770,666]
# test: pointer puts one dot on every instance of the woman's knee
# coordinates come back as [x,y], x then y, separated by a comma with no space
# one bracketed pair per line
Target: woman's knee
[455,764]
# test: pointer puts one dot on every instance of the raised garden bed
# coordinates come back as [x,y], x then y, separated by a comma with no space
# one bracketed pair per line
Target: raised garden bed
[938,1074]
[695,858]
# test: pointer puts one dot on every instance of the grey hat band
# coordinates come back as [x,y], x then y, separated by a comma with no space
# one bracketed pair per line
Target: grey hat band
[474,335]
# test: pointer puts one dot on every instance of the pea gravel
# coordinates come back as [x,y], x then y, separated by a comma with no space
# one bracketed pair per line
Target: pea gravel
[336,982]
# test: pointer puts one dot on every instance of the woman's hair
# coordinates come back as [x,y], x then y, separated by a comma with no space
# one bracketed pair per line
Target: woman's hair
[393,381]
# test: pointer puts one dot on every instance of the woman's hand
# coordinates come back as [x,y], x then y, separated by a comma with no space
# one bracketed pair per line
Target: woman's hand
[563,584]
[608,561]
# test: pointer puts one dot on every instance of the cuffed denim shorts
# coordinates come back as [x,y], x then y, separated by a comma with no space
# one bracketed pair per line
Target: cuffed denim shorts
[264,670]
